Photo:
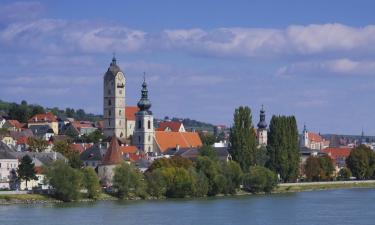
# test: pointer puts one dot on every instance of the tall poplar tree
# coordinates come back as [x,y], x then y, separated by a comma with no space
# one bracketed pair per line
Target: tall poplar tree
[283,148]
[243,138]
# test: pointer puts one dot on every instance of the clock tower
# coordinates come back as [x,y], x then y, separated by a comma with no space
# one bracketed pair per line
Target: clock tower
[114,102]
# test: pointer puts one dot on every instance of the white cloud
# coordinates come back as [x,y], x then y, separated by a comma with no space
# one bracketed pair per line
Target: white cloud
[20,11]
[337,66]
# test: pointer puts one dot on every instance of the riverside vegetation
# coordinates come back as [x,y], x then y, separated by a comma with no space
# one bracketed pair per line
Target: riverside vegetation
[253,169]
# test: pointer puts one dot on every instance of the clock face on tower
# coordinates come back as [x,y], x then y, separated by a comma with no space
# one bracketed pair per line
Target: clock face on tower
[120,76]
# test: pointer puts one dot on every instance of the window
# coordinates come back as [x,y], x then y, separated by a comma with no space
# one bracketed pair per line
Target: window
[149,138]
[109,113]
[109,102]
[139,124]
[119,113]
[119,122]
[139,139]
[109,123]
[109,91]
[149,124]
[120,92]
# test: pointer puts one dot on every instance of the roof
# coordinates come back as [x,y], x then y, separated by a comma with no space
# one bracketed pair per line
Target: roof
[130,112]
[315,137]
[15,124]
[113,154]
[336,153]
[40,129]
[166,140]
[81,147]
[169,126]
[22,140]
[44,117]
[128,149]
[41,158]
[18,134]
[93,153]
[6,152]
[78,125]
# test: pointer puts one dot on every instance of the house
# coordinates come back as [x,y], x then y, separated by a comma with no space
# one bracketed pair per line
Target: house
[79,128]
[13,125]
[130,112]
[21,138]
[223,153]
[2,121]
[8,167]
[45,119]
[80,147]
[171,126]
[93,156]
[338,156]
[165,140]
[44,132]
[312,140]
[8,140]
[188,153]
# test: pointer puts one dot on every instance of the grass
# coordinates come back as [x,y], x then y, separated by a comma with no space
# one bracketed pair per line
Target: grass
[312,187]
[25,197]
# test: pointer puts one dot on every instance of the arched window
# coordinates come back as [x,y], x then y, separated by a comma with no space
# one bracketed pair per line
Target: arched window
[149,124]
[139,124]
[119,113]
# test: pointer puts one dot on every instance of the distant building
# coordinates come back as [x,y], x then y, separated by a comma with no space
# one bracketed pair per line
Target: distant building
[169,140]
[171,126]
[8,167]
[13,125]
[338,156]
[312,140]
[44,132]
[45,119]
[262,128]
[130,112]
[79,128]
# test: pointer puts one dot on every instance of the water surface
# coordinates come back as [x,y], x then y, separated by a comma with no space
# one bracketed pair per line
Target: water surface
[341,207]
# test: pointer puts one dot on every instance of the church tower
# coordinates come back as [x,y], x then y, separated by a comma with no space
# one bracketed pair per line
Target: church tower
[144,132]
[114,102]
[262,128]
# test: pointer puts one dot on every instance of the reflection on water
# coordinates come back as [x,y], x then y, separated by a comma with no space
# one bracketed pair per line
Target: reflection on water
[350,206]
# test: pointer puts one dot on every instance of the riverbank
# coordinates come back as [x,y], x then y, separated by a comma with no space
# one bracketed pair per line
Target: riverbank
[315,186]
[9,199]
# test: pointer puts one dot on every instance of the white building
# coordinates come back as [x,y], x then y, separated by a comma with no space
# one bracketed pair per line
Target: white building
[262,128]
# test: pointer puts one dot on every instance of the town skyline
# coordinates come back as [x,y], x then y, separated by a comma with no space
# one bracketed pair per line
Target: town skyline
[243,60]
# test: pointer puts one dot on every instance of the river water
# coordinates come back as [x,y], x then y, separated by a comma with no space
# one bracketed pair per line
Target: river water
[341,207]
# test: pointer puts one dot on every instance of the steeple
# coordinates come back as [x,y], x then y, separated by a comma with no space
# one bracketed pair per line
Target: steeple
[144,103]
[304,128]
[113,63]
[262,122]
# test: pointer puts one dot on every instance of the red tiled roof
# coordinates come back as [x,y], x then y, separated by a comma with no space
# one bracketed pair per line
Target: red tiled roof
[128,149]
[315,137]
[46,117]
[22,140]
[166,140]
[130,112]
[15,124]
[80,147]
[81,124]
[113,154]
[335,153]
[172,125]
[38,170]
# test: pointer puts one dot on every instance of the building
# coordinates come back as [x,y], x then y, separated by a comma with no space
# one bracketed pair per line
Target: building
[262,128]
[114,102]
[13,125]
[169,126]
[45,119]
[8,167]
[338,156]
[93,156]
[130,112]
[44,132]
[79,128]
[165,140]
[312,140]
[144,133]
[111,159]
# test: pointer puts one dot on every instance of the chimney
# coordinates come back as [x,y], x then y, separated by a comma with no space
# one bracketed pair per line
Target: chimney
[177,147]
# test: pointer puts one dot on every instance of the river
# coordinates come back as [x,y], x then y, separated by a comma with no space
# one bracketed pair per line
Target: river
[341,207]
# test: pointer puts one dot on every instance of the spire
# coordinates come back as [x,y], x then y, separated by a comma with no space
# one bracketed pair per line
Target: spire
[144,103]
[114,61]
[262,122]
[304,128]
[113,155]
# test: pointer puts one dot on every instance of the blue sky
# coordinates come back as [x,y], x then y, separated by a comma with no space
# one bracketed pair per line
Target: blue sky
[311,59]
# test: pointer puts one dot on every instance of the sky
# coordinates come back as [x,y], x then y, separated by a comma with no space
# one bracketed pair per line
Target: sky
[202,59]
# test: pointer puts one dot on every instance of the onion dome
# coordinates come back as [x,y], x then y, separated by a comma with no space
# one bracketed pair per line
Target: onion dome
[144,103]
[262,123]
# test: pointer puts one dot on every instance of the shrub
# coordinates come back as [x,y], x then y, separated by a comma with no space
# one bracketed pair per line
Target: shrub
[259,179]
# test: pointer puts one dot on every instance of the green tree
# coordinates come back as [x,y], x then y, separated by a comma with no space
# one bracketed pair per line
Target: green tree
[344,174]
[174,161]
[201,184]
[208,151]
[261,156]
[26,170]
[128,181]
[326,167]
[37,144]
[91,183]
[233,175]
[210,169]
[282,148]
[94,137]
[64,147]
[260,179]
[207,139]
[179,182]
[243,138]
[312,168]
[65,180]
[156,184]
[361,162]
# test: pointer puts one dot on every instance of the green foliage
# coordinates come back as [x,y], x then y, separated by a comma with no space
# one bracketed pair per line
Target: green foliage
[210,169]
[66,181]
[261,156]
[156,184]
[232,173]
[94,137]
[243,138]
[207,139]
[260,179]
[74,160]
[26,169]
[201,184]
[91,183]
[64,147]
[319,168]
[128,181]
[344,174]
[37,144]
[208,151]
[361,162]
[174,161]
[282,148]
[179,182]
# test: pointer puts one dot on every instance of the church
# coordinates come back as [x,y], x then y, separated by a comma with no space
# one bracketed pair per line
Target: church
[135,125]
